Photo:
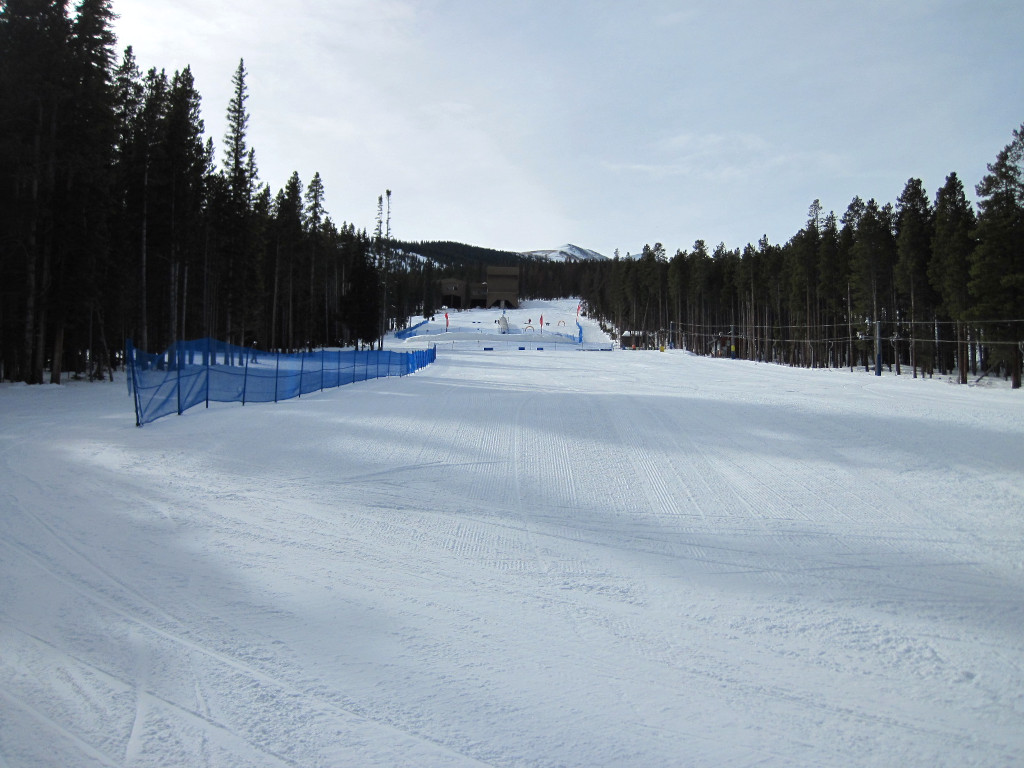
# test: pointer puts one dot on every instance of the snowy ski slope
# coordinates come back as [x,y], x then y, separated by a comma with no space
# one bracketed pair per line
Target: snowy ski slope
[518,558]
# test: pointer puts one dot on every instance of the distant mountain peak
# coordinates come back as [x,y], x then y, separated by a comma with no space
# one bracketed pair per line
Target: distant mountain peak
[567,252]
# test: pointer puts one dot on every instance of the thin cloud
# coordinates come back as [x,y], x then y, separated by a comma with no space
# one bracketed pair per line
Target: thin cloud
[724,158]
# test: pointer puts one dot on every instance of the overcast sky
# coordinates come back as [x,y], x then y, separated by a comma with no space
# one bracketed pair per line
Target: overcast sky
[530,124]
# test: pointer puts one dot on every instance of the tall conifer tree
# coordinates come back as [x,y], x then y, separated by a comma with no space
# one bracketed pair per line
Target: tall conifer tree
[85,139]
[240,176]
[186,167]
[35,88]
[915,226]
[952,245]
[997,264]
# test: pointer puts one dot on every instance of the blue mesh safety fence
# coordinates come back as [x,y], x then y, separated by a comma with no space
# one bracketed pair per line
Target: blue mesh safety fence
[202,371]
[408,333]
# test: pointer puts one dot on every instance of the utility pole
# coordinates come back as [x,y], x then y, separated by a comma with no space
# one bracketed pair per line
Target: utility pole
[383,237]
[378,236]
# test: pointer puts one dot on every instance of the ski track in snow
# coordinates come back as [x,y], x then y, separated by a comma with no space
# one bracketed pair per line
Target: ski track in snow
[518,558]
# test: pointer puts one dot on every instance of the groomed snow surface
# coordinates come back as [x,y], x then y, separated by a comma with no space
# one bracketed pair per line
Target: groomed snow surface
[518,558]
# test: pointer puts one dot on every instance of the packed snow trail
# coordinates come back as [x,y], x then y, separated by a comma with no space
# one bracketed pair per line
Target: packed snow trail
[518,558]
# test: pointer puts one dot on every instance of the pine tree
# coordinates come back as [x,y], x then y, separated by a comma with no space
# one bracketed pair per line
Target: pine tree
[122,279]
[186,169]
[35,88]
[915,226]
[997,264]
[94,139]
[236,150]
[802,268]
[239,187]
[951,246]
[150,177]
[677,273]
[948,270]
[314,232]
[81,130]
[288,239]
[833,277]
[255,325]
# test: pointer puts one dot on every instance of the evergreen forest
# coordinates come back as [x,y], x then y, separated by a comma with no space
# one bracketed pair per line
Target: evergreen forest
[123,220]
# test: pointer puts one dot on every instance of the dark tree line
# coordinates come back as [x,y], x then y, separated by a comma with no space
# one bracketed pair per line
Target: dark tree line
[119,222]
[940,285]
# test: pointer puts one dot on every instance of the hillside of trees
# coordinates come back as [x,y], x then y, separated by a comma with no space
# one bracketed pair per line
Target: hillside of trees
[123,220]
[930,286]
[459,256]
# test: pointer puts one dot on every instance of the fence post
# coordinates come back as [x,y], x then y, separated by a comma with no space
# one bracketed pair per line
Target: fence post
[277,372]
[135,382]
[322,353]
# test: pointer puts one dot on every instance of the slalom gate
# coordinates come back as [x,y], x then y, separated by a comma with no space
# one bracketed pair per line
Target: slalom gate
[190,373]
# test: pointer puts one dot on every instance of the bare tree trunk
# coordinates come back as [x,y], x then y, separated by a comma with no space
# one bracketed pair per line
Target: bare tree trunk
[39,354]
[173,288]
[273,300]
[961,355]
[184,304]
[56,367]
[290,337]
[104,361]
[206,283]
[31,297]
[913,331]
[143,309]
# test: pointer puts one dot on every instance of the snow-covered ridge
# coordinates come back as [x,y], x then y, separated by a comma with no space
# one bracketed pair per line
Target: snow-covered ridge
[567,252]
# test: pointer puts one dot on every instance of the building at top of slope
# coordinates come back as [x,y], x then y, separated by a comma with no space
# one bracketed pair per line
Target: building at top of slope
[501,290]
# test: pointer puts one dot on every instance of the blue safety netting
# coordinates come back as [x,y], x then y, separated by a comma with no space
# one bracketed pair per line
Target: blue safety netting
[191,373]
[408,333]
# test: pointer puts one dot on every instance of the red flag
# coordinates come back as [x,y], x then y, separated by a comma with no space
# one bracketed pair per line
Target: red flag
[446,321]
